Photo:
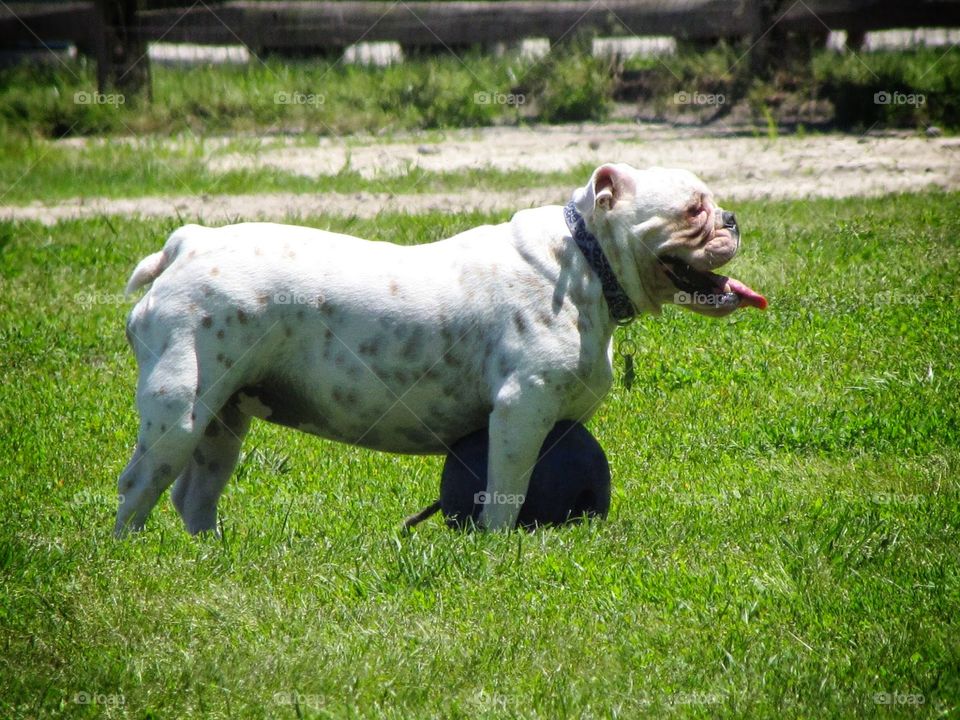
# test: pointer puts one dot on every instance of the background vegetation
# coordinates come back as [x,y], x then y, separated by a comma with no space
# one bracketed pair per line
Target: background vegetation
[327,97]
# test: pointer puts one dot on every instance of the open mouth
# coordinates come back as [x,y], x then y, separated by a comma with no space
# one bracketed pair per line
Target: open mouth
[706,289]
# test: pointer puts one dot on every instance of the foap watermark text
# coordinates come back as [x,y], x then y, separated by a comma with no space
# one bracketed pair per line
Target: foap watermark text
[499,98]
[498,498]
[885,97]
[84,97]
[284,97]
[698,98]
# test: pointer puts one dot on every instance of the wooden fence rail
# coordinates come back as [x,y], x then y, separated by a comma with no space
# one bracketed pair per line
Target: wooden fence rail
[319,26]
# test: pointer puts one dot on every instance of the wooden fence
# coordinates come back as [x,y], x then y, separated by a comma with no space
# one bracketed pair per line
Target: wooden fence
[116,31]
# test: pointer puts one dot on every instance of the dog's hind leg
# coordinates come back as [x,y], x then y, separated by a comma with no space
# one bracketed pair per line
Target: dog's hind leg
[173,415]
[197,490]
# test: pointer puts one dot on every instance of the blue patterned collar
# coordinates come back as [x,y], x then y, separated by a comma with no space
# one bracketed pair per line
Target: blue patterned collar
[621,309]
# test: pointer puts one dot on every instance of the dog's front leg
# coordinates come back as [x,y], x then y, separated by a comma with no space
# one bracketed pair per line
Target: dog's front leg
[522,416]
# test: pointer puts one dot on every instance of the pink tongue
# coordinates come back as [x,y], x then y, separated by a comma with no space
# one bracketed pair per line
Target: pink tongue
[747,296]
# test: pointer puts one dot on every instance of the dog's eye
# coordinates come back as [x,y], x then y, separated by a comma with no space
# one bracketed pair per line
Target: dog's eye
[694,210]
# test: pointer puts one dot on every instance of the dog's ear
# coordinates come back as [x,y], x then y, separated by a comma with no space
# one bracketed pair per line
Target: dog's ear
[607,186]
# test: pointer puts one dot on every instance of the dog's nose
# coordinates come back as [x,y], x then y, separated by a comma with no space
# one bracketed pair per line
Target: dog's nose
[729,220]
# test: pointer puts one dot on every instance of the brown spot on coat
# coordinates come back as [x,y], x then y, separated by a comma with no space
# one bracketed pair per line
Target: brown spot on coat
[214,270]
[220,334]
[242,317]
[207,321]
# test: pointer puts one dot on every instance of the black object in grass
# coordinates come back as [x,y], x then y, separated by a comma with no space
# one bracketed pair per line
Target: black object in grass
[570,480]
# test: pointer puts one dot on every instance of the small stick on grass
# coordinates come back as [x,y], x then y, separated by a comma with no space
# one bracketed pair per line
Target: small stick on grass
[417,518]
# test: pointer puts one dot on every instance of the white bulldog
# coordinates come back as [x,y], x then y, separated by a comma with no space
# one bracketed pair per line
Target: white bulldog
[407,349]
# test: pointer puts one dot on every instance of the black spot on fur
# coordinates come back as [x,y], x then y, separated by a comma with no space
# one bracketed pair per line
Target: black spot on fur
[242,317]
[520,322]
[413,345]
[198,457]
[207,321]
[370,347]
[287,402]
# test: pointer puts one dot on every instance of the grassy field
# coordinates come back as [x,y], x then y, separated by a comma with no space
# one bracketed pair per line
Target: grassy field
[48,171]
[330,98]
[783,540]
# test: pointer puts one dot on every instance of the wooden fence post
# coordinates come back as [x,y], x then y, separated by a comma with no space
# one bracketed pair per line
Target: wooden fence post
[122,62]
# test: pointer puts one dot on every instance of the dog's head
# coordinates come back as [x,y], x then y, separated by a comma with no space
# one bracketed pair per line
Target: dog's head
[664,236]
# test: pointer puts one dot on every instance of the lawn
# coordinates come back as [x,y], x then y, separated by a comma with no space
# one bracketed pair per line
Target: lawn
[783,539]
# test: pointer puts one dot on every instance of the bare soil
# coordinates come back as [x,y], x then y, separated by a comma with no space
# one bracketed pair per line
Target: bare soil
[736,166]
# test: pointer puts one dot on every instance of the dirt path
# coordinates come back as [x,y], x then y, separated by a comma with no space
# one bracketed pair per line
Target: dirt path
[735,166]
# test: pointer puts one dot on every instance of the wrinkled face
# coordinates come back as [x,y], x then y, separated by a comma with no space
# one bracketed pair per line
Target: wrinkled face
[673,231]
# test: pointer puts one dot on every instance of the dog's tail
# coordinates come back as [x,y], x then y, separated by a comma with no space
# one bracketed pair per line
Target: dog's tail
[151,267]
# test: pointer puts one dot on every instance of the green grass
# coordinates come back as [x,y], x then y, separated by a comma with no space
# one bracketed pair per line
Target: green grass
[43,170]
[783,540]
[330,98]
[320,96]
[849,81]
